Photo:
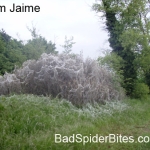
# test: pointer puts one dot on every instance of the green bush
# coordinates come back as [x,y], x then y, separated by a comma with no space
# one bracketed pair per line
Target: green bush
[141,90]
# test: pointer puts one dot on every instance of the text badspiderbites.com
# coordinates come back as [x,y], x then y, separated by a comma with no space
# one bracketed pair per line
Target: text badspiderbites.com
[111,138]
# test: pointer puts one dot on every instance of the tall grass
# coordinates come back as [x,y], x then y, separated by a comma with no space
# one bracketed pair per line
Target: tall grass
[29,122]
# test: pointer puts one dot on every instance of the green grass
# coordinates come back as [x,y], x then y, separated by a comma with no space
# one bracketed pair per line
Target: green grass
[28,122]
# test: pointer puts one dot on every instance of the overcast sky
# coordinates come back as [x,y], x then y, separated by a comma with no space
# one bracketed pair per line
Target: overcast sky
[57,19]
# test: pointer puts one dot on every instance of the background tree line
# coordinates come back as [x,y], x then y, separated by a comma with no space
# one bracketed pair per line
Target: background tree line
[14,53]
[128,25]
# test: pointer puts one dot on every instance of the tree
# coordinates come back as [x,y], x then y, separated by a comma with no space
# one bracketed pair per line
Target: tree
[38,45]
[128,25]
[14,53]
[10,53]
[113,63]
[68,44]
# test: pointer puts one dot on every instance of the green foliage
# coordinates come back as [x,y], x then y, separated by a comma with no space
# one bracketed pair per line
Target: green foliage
[14,53]
[30,122]
[38,45]
[144,61]
[2,108]
[115,28]
[11,53]
[147,78]
[128,24]
[68,44]
[141,90]
[113,63]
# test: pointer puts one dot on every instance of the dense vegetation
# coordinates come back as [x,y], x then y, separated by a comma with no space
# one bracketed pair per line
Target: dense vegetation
[66,76]
[29,122]
[14,53]
[128,25]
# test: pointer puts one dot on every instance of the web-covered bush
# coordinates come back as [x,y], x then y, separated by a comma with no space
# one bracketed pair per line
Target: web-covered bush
[9,83]
[65,76]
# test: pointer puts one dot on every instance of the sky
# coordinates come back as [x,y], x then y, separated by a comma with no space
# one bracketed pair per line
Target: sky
[57,19]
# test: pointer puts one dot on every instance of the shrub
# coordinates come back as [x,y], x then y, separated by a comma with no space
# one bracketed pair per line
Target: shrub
[114,63]
[141,90]
[67,77]
[9,83]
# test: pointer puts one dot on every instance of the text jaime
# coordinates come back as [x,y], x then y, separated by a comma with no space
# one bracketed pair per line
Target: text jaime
[20,8]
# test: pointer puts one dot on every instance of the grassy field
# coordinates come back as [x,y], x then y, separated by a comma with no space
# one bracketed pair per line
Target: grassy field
[28,122]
